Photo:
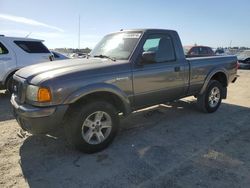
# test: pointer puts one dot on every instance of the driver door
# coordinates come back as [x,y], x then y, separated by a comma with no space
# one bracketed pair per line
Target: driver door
[161,80]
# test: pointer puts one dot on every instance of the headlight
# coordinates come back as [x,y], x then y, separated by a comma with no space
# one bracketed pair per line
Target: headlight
[38,94]
[32,92]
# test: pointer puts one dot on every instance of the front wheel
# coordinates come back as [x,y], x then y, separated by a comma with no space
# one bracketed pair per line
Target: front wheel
[92,127]
[210,100]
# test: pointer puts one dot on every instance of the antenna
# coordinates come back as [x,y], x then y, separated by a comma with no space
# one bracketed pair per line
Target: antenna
[79,31]
[230,44]
[28,35]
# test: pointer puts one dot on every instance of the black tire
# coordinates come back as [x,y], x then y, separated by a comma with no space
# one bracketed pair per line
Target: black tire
[9,84]
[77,116]
[203,103]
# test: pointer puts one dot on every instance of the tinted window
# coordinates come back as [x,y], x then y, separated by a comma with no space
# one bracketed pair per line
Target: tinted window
[203,51]
[3,49]
[194,51]
[162,45]
[32,46]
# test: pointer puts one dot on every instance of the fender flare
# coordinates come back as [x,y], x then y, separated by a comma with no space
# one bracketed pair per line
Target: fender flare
[209,77]
[100,87]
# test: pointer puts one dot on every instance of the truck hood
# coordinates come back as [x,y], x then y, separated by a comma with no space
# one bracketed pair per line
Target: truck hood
[43,71]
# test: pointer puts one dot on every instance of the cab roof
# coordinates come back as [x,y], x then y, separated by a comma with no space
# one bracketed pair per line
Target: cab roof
[144,30]
[21,38]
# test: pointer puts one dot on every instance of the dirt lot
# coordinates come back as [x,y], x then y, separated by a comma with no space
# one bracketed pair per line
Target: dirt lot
[170,145]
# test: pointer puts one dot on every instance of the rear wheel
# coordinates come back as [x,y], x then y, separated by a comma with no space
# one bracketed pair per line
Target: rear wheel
[92,127]
[210,100]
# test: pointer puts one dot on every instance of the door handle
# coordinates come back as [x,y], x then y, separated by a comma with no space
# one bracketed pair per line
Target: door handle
[177,69]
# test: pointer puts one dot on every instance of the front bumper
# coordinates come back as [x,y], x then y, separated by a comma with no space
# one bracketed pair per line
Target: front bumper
[38,120]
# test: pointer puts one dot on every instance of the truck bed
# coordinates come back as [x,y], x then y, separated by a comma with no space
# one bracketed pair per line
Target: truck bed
[200,68]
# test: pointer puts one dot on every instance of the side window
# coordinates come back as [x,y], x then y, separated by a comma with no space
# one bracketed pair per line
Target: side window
[163,47]
[151,45]
[203,51]
[32,46]
[3,49]
[194,51]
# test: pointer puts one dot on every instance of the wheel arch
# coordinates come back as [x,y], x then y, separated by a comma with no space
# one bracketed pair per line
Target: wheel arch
[101,91]
[8,75]
[219,75]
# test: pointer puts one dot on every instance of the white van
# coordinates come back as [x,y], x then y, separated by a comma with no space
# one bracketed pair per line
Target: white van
[16,53]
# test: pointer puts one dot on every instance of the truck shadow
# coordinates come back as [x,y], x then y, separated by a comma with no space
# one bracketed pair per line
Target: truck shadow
[5,110]
[150,142]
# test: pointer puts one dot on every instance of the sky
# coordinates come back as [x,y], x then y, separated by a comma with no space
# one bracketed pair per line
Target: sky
[213,23]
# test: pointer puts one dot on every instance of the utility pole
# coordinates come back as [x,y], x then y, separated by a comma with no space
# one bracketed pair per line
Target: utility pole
[79,32]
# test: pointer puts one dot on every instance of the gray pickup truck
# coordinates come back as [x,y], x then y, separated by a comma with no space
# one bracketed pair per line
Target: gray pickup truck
[126,71]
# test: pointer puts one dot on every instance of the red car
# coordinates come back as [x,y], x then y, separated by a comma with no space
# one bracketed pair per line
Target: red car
[198,51]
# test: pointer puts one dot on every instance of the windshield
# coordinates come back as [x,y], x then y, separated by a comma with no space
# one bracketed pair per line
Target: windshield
[118,46]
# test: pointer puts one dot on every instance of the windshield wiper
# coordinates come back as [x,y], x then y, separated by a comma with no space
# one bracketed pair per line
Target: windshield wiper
[105,56]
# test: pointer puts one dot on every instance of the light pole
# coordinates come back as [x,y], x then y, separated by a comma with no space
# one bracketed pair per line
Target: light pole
[79,31]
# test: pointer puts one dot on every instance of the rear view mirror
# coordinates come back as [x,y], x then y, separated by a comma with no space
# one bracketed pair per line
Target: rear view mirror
[148,57]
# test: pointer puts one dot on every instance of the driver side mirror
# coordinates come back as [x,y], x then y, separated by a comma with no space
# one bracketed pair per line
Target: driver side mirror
[148,57]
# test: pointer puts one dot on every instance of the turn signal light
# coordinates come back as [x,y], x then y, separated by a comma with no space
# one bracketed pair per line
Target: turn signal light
[44,95]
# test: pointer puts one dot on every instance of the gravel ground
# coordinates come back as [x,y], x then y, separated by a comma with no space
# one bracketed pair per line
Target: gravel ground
[171,145]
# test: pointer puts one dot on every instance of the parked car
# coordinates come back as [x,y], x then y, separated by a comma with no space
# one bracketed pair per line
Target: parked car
[220,51]
[59,56]
[244,59]
[126,71]
[16,53]
[78,55]
[198,51]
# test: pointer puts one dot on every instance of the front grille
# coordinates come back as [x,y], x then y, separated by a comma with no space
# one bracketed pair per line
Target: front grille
[19,89]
